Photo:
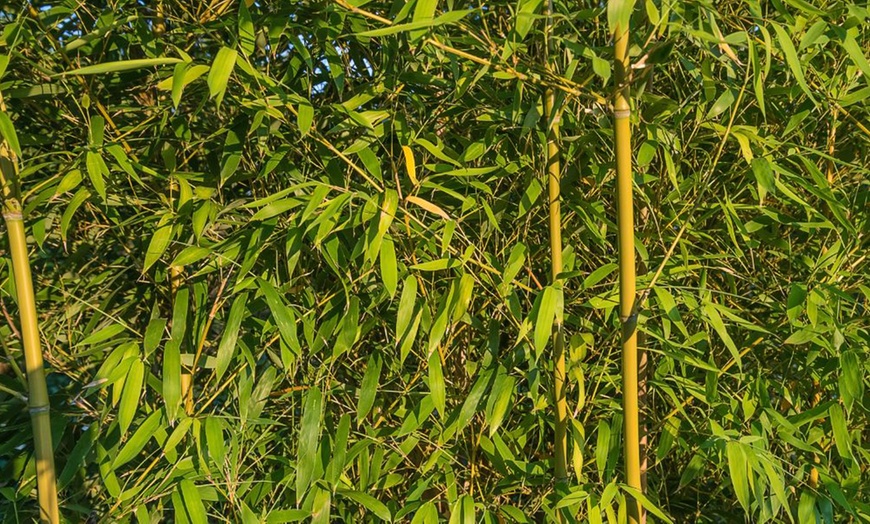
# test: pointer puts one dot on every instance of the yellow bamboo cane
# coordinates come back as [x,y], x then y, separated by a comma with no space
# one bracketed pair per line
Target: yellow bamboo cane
[559,382]
[554,180]
[627,276]
[38,393]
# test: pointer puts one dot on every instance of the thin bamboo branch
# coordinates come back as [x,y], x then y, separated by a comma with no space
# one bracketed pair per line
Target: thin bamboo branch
[46,484]
[627,275]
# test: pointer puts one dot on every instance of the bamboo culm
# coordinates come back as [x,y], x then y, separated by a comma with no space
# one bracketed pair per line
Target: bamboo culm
[559,382]
[627,275]
[554,182]
[37,391]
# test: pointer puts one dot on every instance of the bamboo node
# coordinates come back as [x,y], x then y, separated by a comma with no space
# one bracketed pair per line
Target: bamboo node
[629,318]
[13,215]
[621,113]
[40,409]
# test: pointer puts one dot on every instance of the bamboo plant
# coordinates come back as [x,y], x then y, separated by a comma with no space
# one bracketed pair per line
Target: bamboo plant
[559,383]
[555,224]
[38,392]
[619,14]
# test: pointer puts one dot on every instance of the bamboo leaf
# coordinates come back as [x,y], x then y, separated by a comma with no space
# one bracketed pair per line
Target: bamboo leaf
[283,315]
[389,273]
[219,74]
[159,243]
[715,320]
[619,15]
[447,18]
[214,437]
[370,503]
[791,58]
[231,335]
[123,65]
[428,206]
[437,388]
[305,117]
[7,131]
[96,168]
[247,38]
[739,473]
[842,439]
[309,440]
[545,318]
[137,442]
[368,387]
[193,505]
[130,396]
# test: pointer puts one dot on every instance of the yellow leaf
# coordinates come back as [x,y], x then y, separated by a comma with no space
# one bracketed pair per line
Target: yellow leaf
[410,165]
[429,206]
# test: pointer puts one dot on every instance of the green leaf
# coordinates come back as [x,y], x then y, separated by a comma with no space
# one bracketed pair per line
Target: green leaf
[389,273]
[619,15]
[153,334]
[347,329]
[130,396]
[96,168]
[437,387]
[231,335]
[214,438]
[546,316]
[857,55]
[159,243]
[219,74]
[309,441]
[437,265]
[442,319]
[193,506]
[763,172]
[721,104]
[469,406]
[715,320]
[305,117]
[841,433]
[739,473]
[178,83]
[463,511]
[172,378]
[247,38]
[598,275]
[851,380]
[281,313]
[406,307]
[368,387]
[426,514]
[499,400]
[339,451]
[424,12]
[602,445]
[446,18]
[807,508]
[791,58]
[525,17]
[646,503]
[7,131]
[137,442]
[123,65]
[800,337]
[370,503]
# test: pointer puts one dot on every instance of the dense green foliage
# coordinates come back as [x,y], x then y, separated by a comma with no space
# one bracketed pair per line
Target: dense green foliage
[332,215]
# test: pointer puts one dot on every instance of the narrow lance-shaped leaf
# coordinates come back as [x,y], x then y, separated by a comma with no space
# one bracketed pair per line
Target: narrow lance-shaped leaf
[231,335]
[309,441]
[123,65]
